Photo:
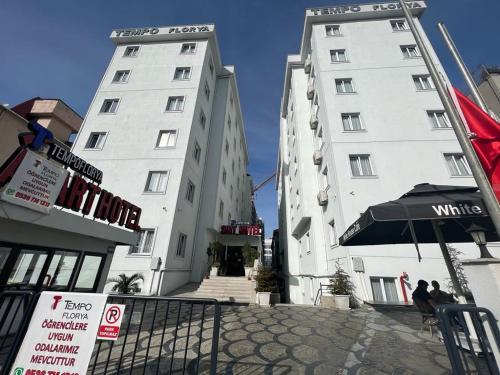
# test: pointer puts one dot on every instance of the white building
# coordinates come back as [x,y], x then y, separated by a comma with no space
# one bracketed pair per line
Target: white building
[361,123]
[165,126]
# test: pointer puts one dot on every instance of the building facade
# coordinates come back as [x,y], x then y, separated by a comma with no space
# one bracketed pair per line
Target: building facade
[361,124]
[166,126]
[489,87]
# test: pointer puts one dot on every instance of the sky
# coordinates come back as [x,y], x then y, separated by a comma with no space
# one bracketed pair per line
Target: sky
[60,49]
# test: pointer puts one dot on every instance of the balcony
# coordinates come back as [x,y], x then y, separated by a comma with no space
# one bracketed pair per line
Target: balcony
[307,65]
[322,198]
[317,157]
[313,122]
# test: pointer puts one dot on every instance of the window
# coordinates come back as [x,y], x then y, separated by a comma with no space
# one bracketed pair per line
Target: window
[157,182]
[231,190]
[399,25]
[224,175]
[196,152]
[207,91]
[423,82]
[131,51]
[175,103]
[188,48]
[190,191]
[166,138]
[203,119]
[226,147]
[324,179]
[307,244]
[183,73]
[297,198]
[351,122]
[96,140]
[229,121]
[211,66]
[338,55]
[439,119]
[121,76]
[234,144]
[344,86]
[221,209]
[360,165]
[231,100]
[457,164]
[181,245]
[410,51]
[232,166]
[332,232]
[109,106]
[145,244]
[332,30]
[229,218]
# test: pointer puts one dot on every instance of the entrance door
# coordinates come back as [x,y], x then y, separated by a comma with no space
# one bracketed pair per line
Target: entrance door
[234,262]
[384,289]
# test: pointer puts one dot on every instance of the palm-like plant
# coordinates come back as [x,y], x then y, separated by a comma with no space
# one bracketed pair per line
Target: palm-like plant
[126,284]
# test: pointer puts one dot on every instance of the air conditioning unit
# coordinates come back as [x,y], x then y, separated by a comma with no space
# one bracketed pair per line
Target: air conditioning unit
[155,263]
[307,65]
[313,122]
[317,157]
[322,198]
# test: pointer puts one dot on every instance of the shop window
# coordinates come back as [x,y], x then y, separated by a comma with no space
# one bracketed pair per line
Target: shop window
[60,270]
[27,268]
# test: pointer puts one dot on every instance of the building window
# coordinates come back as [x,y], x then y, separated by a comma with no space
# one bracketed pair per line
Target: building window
[332,232]
[166,138]
[109,106]
[203,119]
[234,144]
[227,148]
[190,191]
[157,182]
[338,55]
[324,179]
[332,30]
[207,91]
[410,51]
[188,48]
[197,152]
[423,82]
[121,76]
[351,122]
[181,245]
[229,218]
[96,140]
[439,119]
[344,86]
[224,175]
[231,100]
[182,73]
[232,167]
[361,165]
[131,51]
[399,25]
[211,66]
[231,190]
[307,244]
[457,164]
[297,198]
[221,209]
[145,244]
[229,121]
[175,104]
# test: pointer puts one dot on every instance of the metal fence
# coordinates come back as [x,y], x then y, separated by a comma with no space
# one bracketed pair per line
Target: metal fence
[472,339]
[158,335]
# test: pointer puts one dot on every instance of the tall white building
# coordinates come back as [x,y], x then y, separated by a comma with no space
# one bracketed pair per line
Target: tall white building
[165,126]
[361,124]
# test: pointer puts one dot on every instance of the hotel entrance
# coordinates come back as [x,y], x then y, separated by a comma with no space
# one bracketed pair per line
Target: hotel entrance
[234,263]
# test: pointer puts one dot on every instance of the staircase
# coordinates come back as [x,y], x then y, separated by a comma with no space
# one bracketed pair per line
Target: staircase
[227,289]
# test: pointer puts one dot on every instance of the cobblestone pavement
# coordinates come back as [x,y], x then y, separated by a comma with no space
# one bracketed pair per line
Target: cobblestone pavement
[291,339]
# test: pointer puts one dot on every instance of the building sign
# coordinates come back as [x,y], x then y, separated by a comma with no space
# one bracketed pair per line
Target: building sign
[361,8]
[137,32]
[249,230]
[35,184]
[155,30]
[109,329]
[188,29]
[61,334]
[74,193]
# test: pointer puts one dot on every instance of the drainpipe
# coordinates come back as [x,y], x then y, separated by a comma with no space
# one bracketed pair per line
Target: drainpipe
[402,280]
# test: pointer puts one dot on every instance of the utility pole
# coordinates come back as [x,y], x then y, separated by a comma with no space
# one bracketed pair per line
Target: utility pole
[482,181]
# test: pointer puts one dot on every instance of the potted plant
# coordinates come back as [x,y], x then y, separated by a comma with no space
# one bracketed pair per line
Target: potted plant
[126,284]
[217,252]
[249,254]
[341,287]
[266,284]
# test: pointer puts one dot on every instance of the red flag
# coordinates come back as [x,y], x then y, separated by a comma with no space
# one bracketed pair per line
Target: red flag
[486,142]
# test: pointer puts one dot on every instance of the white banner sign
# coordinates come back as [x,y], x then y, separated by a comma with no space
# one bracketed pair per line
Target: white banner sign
[36,183]
[61,334]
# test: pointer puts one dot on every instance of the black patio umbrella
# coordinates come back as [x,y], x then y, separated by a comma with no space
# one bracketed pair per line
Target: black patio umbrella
[426,214]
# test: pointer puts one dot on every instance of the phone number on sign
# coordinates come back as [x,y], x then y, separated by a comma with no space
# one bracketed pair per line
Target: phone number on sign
[31,199]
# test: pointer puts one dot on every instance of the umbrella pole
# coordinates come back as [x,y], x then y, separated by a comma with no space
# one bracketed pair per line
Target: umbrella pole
[448,262]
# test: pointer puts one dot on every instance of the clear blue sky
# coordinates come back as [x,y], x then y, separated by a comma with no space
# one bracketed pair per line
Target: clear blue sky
[60,49]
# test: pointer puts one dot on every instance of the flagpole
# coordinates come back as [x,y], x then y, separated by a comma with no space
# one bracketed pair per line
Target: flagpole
[489,197]
[477,97]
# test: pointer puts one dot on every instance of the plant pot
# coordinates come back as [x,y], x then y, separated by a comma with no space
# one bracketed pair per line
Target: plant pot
[342,301]
[264,298]
[248,271]
[213,271]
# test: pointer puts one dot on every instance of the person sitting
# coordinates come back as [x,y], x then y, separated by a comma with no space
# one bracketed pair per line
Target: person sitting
[423,300]
[438,296]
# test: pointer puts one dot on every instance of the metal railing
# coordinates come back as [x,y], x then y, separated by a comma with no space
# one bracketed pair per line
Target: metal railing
[319,294]
[471,337]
